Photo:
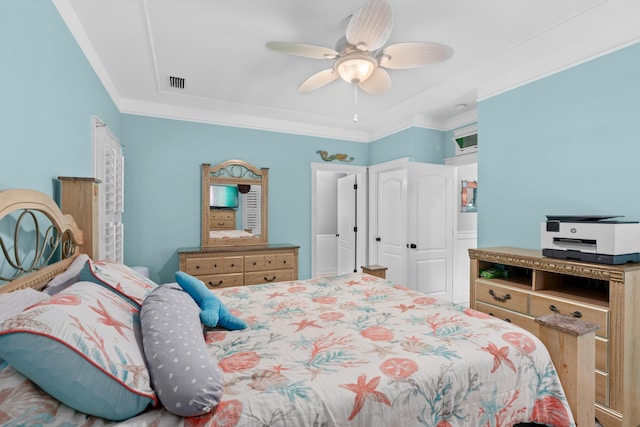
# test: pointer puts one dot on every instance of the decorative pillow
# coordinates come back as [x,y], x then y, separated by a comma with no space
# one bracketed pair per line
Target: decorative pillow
[185,377]
[119,278]
[80,347]
[12,303]
[67,277]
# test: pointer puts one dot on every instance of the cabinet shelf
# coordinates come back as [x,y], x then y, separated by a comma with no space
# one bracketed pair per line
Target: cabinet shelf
[520,282]
[577,294]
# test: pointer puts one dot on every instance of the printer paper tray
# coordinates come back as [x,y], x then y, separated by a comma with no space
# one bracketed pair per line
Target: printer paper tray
[591,257]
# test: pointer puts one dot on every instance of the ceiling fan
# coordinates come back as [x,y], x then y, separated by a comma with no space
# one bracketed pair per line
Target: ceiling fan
[360,56]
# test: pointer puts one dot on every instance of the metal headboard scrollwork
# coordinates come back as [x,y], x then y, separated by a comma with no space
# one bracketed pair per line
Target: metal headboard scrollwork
[40,233]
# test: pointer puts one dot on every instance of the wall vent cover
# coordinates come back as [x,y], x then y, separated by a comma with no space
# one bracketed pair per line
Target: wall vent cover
[466,140]
[176,82]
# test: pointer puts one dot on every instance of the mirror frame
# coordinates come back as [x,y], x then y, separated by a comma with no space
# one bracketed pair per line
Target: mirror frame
[233,172]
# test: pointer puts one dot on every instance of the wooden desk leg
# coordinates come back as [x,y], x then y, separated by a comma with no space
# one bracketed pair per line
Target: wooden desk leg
[571,344]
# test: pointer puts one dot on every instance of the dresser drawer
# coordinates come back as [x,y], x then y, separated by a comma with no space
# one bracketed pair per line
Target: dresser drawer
[502,296]
[270,262]
[199,266]
[254,263]
[525,322]
[222,215]
[255,278]
[222,225]
[267,262]
[542,305]
[284,261]
[222,220]
[230,264]
[222,280]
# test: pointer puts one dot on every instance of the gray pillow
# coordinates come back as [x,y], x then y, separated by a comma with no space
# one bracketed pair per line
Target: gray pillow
[68,277]
[186,378]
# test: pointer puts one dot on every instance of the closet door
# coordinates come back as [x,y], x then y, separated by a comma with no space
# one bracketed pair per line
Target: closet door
[388,218]
[430,229]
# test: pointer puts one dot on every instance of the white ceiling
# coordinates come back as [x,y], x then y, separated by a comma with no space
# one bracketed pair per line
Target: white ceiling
[218,46]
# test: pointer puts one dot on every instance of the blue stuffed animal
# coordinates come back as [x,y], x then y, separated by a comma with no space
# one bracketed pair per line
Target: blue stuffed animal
[213,311]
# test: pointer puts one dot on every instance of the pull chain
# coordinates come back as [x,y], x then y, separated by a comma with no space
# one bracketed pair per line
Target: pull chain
[355,103]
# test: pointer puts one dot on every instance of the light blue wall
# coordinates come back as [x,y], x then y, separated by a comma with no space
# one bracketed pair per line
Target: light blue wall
[419,144]
[566,144]
[162,184]
[49,93]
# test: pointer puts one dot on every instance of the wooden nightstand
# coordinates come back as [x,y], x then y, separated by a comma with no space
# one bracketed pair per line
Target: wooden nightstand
[375,270]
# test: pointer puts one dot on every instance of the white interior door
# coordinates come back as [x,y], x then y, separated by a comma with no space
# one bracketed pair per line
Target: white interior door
[389,218]
[430,229]
[347,231]
[324,213]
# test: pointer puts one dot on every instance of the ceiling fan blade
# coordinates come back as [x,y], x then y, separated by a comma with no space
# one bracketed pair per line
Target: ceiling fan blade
[414,54]
[318,80]
[378,83]
[370,27]
[306,50]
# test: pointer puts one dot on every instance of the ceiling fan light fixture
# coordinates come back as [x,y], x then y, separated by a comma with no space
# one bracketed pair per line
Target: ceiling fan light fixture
[355,68]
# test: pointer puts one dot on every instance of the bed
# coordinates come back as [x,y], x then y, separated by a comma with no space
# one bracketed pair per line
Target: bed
[231,234]
[351,350]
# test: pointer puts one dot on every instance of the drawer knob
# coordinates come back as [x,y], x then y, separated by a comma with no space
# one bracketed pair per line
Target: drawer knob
[215,284]
[266,279]
[220,224]
[197,267]
[497,298]
[575,314]
[255,263]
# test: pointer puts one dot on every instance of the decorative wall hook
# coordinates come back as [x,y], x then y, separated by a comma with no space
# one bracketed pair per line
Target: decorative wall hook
[338,156]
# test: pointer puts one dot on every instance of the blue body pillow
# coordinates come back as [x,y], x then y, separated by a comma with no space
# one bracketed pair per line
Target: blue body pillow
[214,312]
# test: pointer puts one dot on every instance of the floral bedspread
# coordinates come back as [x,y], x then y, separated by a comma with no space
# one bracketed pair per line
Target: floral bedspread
[230,234]
[352,350]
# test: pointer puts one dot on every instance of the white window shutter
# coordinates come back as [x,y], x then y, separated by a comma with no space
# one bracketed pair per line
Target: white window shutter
[252,209]
[109,169]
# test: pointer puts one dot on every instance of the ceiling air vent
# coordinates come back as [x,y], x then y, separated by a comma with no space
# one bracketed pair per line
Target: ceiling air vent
[176,82]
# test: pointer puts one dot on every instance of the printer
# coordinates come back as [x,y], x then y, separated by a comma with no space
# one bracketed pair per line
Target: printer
[595,238]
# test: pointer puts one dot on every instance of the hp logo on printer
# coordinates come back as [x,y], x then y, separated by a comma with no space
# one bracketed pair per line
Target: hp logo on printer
[573,230]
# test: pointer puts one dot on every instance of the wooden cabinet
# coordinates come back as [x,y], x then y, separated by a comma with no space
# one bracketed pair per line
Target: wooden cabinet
[99,216]
[220,267]
[79,197]
[607,295]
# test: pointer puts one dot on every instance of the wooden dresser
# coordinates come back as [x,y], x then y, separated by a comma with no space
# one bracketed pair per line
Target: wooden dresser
[224,266]
[222,219]
[607,295]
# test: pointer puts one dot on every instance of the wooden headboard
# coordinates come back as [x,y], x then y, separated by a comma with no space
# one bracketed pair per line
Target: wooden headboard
[41,244]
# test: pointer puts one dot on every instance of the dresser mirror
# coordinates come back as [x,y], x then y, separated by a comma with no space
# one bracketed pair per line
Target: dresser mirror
[234,204]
